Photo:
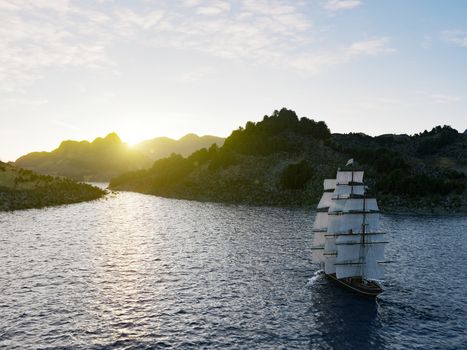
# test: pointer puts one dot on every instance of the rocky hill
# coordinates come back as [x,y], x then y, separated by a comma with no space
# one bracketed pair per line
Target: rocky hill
[23,189]
[282,160]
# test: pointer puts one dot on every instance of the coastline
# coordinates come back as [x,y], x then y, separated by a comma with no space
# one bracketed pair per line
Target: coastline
[419,207]
[41,197]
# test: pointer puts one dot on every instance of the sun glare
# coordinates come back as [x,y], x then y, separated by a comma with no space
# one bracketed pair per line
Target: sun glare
[132,137]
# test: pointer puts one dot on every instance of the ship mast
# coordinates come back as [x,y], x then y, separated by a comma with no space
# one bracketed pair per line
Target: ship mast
[364,222]
[363,238]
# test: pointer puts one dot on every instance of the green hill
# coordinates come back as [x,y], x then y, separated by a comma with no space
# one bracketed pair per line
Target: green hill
[23,189]
[161,147]
[282,160]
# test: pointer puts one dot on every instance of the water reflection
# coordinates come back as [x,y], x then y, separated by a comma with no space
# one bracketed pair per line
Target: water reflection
[344,320]
[139,271]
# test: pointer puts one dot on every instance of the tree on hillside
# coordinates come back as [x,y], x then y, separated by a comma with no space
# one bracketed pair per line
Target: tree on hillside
[269,135]
[295,176]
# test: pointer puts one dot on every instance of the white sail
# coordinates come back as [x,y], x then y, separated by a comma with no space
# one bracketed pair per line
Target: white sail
[325,201]
[354,238]
[335,223]
[346,176]
[349,253]
[354,247]
[321,221]
[359,260]
[353,222]
[330,244]
[319,239]
[373,270]
[343,190]
[343,271]
[337,205]
[329,184]
[360,204]
[317,256]
[371,204]
[329,264]
[374,251]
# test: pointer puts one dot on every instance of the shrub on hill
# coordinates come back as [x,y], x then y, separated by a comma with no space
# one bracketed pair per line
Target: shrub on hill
[295,176]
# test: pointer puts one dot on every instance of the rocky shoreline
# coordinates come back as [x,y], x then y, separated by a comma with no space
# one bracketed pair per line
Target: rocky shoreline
[24,189]
[393,205]
[45,197]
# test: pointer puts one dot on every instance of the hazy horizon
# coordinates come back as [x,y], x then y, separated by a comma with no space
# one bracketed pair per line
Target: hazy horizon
[131,144]
[79,70]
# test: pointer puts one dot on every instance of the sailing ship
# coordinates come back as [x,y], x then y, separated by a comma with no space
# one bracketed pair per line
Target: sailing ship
[346,242]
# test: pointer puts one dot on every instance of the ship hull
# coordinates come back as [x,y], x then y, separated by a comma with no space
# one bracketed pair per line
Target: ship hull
[355,284]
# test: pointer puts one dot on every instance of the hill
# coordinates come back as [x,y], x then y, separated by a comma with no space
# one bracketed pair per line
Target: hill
[98,160]
[108,157]
[23,189]
[282,160]
[161,147]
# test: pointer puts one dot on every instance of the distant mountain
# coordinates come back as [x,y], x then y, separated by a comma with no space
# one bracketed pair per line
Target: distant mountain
[22,189]
[161,147]
[283,159]
[98,160]
[108,157]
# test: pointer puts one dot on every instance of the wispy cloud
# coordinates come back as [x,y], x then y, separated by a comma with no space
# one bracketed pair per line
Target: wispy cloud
[15,101]
[142,21]
[37,35]
[369,47]
[338,5]
[214,8]
[444,99]
[456,37]
[316,63]
[43,34]
[437,98]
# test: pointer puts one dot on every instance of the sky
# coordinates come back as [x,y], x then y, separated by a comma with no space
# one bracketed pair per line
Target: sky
[82,69]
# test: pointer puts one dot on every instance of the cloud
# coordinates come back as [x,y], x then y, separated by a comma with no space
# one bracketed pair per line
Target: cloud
[39,35]
[337,5]
[190,3]
[456,37]
[214,8]
[444,99]
[369,47]
[15,101]
[143,21]
[315,63]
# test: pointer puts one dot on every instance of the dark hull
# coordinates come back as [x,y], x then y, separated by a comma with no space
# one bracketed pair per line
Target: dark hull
[355,284]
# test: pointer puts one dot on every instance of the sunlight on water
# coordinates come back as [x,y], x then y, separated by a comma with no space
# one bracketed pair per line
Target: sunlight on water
[137,271]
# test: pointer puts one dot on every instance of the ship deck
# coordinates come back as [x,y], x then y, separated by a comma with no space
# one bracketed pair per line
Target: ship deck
[358,285]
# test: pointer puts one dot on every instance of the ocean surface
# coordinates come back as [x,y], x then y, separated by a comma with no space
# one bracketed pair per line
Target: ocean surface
[134,271]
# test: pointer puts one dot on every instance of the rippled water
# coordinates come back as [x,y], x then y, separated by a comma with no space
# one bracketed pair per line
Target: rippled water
[135,271]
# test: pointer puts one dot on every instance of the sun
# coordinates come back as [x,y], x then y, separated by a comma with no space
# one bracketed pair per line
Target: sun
[132,137]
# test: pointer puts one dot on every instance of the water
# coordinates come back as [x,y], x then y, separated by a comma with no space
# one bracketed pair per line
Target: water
[140,272]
